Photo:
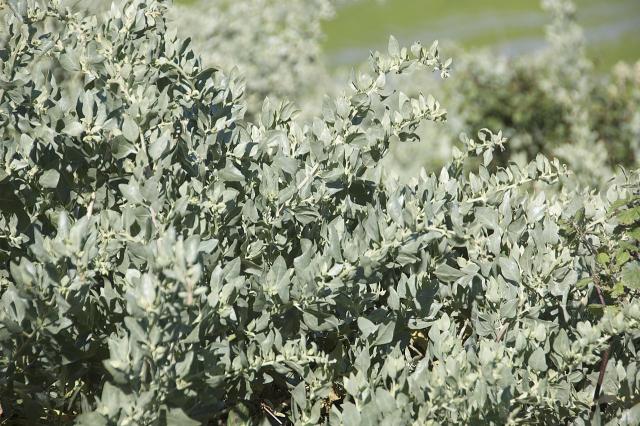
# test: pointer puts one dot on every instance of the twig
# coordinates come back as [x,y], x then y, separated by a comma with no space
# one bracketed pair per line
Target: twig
[503,332]
[90,207]
[270,412]
[598,287]
[605,355]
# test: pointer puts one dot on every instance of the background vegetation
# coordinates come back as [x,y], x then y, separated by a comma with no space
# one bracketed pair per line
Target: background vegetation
[512,27]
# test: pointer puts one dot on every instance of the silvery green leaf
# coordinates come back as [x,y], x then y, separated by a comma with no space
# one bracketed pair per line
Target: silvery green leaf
[631,275]
[366,327]
[448,273]
[131,192]
[350,414]
[393,300]
[159,146]
[49,179]
[537,360]
[183,367]
[73,129]
[394,47]
[147,289]
[121,147]
[385,333]
[231,173]
[509,269]
[70,61]
[561,344]
[130,129]
[177,417]
[631,416]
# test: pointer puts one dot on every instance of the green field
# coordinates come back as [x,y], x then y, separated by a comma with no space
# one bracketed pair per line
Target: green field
[612,27]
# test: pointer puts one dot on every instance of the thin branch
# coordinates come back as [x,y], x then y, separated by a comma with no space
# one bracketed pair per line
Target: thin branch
[607,352]
[503,332]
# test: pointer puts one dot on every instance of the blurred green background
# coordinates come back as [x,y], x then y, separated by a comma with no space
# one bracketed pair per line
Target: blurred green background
[513,27]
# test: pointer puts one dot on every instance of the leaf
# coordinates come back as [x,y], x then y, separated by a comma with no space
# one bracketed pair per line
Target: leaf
[596,308]
[603,259]
[73,129]
[537,360]
[631,416]
[231,173]
[509,269]
[584,282]
[177,417]
[70,61]
[629,216]
[631,275]
[121,147]
[350,414]
[112,398]
[299,394]
[137,333]
[159,146]
[385,400]
[447,273]
[394,47]
[366,327]
[385,333]
[183,367]
[49,179]
[130,129]
[487,157]
[131,192]
[561,344]
[622,257]
[267,116]
[147,289]
[306,215]
[617,290]
[393,299]
[239,415]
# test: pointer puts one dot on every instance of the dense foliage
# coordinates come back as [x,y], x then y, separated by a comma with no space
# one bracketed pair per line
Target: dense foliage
[167,260]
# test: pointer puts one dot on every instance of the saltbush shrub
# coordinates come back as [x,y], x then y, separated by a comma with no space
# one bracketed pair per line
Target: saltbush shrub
[167,261]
